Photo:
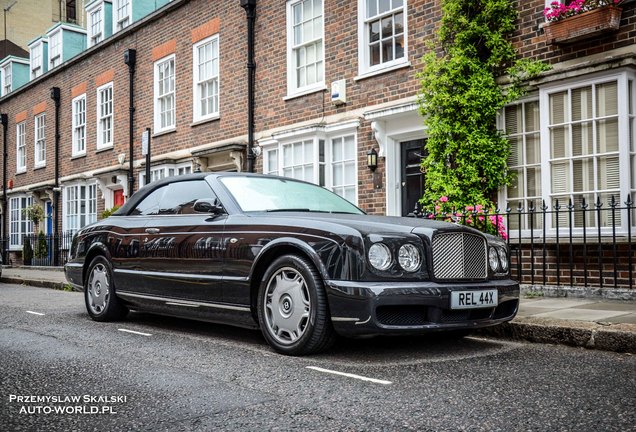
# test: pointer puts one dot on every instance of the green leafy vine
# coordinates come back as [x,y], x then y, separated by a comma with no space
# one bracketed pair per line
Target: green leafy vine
[460,97]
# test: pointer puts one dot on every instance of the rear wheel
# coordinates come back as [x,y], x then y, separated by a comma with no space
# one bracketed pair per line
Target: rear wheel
[292,308]
[99,292]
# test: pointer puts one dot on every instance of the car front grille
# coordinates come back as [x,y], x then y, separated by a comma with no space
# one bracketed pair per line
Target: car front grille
[459,255]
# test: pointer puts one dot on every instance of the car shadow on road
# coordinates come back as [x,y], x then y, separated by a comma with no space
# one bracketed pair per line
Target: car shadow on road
[381,350]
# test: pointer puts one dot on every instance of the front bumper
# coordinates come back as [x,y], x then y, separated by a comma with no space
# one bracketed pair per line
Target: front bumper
[376,308]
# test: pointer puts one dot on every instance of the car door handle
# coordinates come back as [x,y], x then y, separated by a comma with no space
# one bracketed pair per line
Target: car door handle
[152,230]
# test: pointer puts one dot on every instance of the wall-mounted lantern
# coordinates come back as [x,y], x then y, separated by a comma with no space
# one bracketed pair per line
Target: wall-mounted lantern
[372,159]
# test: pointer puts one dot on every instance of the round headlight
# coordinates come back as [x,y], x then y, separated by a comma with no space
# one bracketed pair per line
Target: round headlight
[503,258]
[493,259]
[409,257]
[380,256]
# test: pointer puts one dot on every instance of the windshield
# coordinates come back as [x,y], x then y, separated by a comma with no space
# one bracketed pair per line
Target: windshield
[275,194]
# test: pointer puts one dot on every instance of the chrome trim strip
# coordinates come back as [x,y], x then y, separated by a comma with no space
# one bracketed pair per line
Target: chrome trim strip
[364,322]
[344,319]
[181,304]
[74,265]
[182,275]
[184,302]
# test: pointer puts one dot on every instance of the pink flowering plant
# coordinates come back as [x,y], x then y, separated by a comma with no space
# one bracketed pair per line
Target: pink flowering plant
[558,10]
[481,217]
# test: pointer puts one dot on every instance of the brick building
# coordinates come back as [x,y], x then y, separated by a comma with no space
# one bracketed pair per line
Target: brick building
[335,80]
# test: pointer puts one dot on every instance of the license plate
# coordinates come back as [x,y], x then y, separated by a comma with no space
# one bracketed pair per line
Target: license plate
[473,299]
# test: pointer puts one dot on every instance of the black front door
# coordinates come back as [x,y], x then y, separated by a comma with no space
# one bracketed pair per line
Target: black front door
[412,180]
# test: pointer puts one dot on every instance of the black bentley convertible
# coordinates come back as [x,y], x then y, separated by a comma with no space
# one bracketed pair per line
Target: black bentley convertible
[290,257]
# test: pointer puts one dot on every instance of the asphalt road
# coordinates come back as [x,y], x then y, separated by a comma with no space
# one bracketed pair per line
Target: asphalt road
[182,375]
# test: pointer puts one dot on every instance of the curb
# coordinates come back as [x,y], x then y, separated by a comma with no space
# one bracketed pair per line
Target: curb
[34,282]
[620,338]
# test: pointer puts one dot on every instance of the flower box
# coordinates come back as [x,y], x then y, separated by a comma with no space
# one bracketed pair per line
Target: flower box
[583,26]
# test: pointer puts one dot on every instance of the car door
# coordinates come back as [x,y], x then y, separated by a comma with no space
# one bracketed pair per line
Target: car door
[181,249]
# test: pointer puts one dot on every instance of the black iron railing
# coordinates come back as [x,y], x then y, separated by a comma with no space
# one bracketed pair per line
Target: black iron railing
[42,249]
[575,244]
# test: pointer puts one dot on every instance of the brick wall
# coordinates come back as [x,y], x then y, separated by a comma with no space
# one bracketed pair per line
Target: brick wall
[613,265]
[530,43]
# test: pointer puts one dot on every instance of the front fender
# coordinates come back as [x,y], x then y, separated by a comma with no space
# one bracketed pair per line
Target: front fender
[274,247]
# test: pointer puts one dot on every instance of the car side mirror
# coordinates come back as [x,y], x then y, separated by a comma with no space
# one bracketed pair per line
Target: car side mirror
[208,205]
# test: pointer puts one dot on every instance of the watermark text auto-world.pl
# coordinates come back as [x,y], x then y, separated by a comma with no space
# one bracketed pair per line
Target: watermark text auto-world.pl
[73,404]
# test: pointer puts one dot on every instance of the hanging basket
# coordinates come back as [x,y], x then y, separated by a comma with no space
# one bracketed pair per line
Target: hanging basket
[584,26]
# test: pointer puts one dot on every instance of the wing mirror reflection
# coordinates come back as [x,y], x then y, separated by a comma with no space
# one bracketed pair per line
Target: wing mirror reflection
[208,205]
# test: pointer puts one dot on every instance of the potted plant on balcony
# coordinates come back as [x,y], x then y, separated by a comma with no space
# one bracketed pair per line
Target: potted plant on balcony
[581,19]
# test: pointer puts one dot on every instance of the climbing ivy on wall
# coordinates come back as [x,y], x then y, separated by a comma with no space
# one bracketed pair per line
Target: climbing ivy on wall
[460,98]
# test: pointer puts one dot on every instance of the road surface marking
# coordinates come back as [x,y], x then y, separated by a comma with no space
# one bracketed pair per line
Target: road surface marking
[360,377]
[134,332]
[35,313]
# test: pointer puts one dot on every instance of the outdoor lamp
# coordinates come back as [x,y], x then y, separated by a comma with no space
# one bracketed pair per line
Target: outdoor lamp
[372,159]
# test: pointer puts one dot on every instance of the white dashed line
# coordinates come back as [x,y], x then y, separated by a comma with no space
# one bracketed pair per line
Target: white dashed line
[35,313]
[348,375]
[134,332]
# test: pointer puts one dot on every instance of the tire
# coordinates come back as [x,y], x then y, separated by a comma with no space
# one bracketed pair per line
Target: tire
[101,301]
[292,308]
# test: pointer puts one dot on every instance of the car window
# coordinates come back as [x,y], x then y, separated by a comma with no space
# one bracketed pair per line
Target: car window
[180,196]
[150,204]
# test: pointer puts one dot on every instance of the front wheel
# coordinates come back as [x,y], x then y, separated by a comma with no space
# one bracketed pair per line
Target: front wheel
[99,292]
[292,308]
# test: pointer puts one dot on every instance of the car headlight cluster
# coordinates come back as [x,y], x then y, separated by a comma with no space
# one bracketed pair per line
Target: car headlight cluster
[409,257]
[498,259]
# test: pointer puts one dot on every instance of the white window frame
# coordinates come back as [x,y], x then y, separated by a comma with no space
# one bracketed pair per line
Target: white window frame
[78,211]
[36,68]
[55,40]
[39,140]
[365,68]
[292,88]
[322,169]
[19,224]
[20,147]
[522,134]
[211,80]
[108,117]
[96,33]
[159,172]
[79,125]
[7,84]
[158,97]
[627,181]
[120,22]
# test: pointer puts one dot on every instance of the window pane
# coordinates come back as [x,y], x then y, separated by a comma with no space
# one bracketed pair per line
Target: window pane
[582,103]
[513,119]
[533,148]
[582,139]
[374,31]
[559,142]
[385,6]
[372,8]
[515,157]
[608,173]
[532,116]
[583,175]
[607,99]
[607,135]
[558,104]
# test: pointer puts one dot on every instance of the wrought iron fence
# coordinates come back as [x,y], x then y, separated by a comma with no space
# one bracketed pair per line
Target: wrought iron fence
[43,248]
[575,244]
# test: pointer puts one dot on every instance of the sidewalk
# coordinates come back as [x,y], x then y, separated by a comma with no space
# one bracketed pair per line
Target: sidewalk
[599,324]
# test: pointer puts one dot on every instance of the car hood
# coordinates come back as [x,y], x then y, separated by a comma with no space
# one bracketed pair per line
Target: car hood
[368,224]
